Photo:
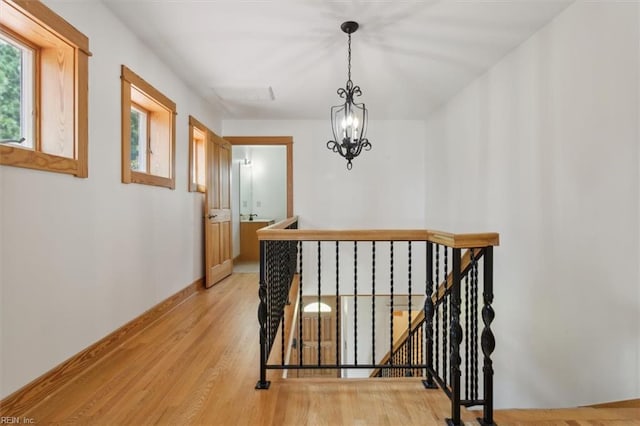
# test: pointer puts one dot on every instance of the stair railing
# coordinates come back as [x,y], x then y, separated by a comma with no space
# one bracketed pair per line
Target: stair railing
[440,344]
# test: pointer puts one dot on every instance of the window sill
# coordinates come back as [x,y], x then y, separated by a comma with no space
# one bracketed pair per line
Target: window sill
[194,187]
[146,179]
[20,157]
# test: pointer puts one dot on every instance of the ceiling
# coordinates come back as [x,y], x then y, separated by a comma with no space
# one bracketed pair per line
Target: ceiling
[408,56]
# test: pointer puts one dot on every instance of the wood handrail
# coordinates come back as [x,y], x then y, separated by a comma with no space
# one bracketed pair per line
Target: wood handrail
[278,232]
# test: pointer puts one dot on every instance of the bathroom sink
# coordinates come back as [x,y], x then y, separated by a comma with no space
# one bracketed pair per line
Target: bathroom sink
[258,219]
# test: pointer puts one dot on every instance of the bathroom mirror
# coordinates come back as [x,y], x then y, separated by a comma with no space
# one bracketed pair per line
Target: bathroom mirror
[262,172]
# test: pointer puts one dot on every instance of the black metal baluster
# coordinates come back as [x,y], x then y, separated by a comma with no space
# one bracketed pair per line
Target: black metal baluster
[284,285]
[467,335]
[300,305]
[338,342]
[272,284]
[436,354]
[445,319]
[428,312]
[373,302]
[456,337]
[420,344]
[474,313]
[403,360]
[410,340]
[472,329]
[391,305]
[275,290]
[417,349]
[355,302]
[319,336]
[262,319]
[488,340]
[270,293]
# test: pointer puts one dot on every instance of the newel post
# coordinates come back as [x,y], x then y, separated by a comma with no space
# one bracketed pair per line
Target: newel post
[263,383]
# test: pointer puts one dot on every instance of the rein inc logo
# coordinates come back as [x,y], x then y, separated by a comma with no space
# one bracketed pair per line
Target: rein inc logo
[5,420]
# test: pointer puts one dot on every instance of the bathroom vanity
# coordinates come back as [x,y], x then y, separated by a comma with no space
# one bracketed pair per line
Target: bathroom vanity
[249,245]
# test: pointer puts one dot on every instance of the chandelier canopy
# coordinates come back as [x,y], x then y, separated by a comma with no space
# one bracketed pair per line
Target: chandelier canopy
[349,119]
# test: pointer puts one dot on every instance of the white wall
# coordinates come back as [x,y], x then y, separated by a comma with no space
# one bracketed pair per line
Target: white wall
[384,189]
[638,123]
[544,150]
[235,207]
[81,257]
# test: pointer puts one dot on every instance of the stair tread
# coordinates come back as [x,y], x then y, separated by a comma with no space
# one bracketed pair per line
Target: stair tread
[569,414]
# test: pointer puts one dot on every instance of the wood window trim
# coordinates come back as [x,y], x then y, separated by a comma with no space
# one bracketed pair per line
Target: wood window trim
[195,124]
[287,141]
[129,79]
[35,23]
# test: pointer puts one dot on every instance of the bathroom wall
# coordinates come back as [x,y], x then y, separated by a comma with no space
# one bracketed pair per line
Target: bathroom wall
[257,187]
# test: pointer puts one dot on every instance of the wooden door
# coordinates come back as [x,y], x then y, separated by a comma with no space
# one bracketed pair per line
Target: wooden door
[218,261]
[310,342]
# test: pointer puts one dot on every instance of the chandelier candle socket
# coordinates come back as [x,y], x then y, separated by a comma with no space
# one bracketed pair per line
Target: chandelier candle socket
[349,120]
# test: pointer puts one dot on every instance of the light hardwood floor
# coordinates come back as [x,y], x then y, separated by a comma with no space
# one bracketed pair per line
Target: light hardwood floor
[198,365]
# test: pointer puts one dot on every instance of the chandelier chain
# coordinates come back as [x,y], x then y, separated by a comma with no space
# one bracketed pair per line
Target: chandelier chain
[349,61]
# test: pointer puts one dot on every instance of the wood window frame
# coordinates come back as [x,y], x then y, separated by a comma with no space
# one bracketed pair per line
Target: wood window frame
[32,22]
[194,185]
[156,101]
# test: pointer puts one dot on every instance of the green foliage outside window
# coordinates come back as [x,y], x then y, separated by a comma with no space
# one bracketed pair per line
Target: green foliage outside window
[10,75]
[135,140]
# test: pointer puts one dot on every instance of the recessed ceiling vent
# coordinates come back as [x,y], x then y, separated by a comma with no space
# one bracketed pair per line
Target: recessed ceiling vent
[245,94]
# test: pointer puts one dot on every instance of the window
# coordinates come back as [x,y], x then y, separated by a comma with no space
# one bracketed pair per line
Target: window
[139,139]
[16,92]
[43,90]
[197,139]
[317,307]
[148,133]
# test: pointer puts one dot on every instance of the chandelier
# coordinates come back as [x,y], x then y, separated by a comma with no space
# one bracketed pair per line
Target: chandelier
[349,120]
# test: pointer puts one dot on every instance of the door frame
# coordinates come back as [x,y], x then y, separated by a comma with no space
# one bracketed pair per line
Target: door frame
[287,141]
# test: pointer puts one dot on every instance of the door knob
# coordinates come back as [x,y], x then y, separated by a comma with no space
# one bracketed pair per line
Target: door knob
[211,216]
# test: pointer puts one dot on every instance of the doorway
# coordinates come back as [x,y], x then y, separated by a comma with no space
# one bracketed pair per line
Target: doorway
[261,191]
